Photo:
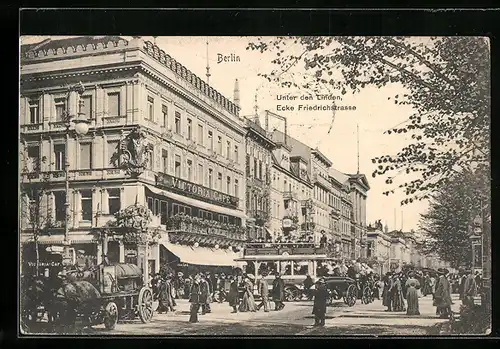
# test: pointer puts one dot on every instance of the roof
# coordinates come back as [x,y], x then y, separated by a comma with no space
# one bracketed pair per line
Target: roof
[49,44]
[322,157]
[338,176]
[255,127]
[360,177]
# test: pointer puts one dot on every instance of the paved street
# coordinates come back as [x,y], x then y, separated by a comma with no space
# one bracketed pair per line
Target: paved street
[295,319]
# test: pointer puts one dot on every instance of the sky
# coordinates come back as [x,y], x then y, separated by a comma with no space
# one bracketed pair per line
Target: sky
[374,114]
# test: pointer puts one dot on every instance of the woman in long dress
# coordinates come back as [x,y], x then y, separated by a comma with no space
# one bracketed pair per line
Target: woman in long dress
[247,301]
[413,286]
[387,291]
[398,303]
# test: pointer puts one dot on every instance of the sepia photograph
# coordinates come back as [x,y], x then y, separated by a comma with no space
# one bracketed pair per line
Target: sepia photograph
[254,186]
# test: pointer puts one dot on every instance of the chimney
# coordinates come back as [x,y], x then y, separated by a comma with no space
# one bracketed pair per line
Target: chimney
[236,93]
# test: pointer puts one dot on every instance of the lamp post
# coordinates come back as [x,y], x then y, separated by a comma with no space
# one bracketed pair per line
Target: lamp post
[81,127]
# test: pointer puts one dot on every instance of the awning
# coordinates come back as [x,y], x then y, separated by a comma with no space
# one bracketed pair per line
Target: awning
[197,203]
[203,255]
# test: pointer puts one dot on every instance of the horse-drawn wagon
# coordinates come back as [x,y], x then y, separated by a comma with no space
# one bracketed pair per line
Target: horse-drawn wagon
[349,289]
[105,295]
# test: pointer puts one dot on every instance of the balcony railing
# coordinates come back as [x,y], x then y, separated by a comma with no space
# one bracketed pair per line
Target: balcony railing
[91,174]
[290,195]
[113,120]
[31,128]
[258,215]
[296,248]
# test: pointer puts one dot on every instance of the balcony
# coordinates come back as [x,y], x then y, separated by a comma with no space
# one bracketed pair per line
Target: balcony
[290,195]
[260,216]
[114,120]
[182,224]
[56,176]
[255,182]
[31,128]
[321,181]
[278,249]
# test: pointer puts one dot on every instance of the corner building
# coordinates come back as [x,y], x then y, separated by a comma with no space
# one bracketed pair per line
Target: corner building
[195,150]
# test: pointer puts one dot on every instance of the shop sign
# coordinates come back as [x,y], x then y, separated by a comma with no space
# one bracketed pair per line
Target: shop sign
[196,191]
[45,264]
[286,223]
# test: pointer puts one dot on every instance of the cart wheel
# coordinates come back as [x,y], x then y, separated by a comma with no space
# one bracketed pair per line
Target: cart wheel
[110,316]
[289,294]
[351,295]
[145,305]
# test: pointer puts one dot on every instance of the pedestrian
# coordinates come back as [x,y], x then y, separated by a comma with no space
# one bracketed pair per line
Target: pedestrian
[233,295]
[442,297]
[194,299]
[398,303]
[387,291]
[247,301]
[278,292]
[308,282]
[461,287]
[470,290]
[204,295]
[165,299]
[412,286]
[320,300]
[264,293]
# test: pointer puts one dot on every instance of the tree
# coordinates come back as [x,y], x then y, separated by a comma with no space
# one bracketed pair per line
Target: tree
[447,224]
[446,81]
[35,213]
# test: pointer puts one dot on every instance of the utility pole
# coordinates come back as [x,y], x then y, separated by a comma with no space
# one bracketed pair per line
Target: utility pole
[208,67]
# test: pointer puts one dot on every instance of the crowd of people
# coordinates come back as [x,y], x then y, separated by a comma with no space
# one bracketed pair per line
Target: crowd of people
[402,290]
[200,288]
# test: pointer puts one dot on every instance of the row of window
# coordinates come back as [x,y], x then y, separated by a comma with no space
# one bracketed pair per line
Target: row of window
[224,149]
[61,107]
[288,185]
[165,209]
[85,204]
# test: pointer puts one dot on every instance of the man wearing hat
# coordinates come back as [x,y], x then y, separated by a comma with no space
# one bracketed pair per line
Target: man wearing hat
[442,296]
[387,291]
[278,292]
[205,295]
[320,301]
[264,293]
[194,298]
[470,289]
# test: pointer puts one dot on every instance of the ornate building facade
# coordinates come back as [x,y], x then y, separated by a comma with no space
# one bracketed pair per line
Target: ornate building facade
[258,149]
[159,137]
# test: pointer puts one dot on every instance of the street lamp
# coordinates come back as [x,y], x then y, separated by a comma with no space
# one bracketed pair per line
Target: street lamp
[81,127]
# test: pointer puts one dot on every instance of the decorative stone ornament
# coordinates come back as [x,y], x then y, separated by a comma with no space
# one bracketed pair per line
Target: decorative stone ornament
[133,152]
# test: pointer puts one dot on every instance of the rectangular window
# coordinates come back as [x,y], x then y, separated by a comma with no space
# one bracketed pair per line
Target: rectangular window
[164,112]
[236,188]
[150,204]
[219,144]
[113,154]
[200,134]
[86,107]
[59,154]
[150,156]
[114,104]
[255,168]
[177,122]
[85,156]
[60,104]
[86,205]
[210,178]
[236,158]
[113,200]
[189,129]
[151,109]
[34,105]
[178,166]
[156,210]
[219,181]
[200,174]
[164,160]
[228,150]
[163,212]
[260,169]
[33,161]
[211,139]
[60,208]
[189,170]
[228,185]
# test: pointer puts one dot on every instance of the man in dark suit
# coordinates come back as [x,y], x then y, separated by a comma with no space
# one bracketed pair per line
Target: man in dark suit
[278,292]
[320,300]
[194,299]
[264,293]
